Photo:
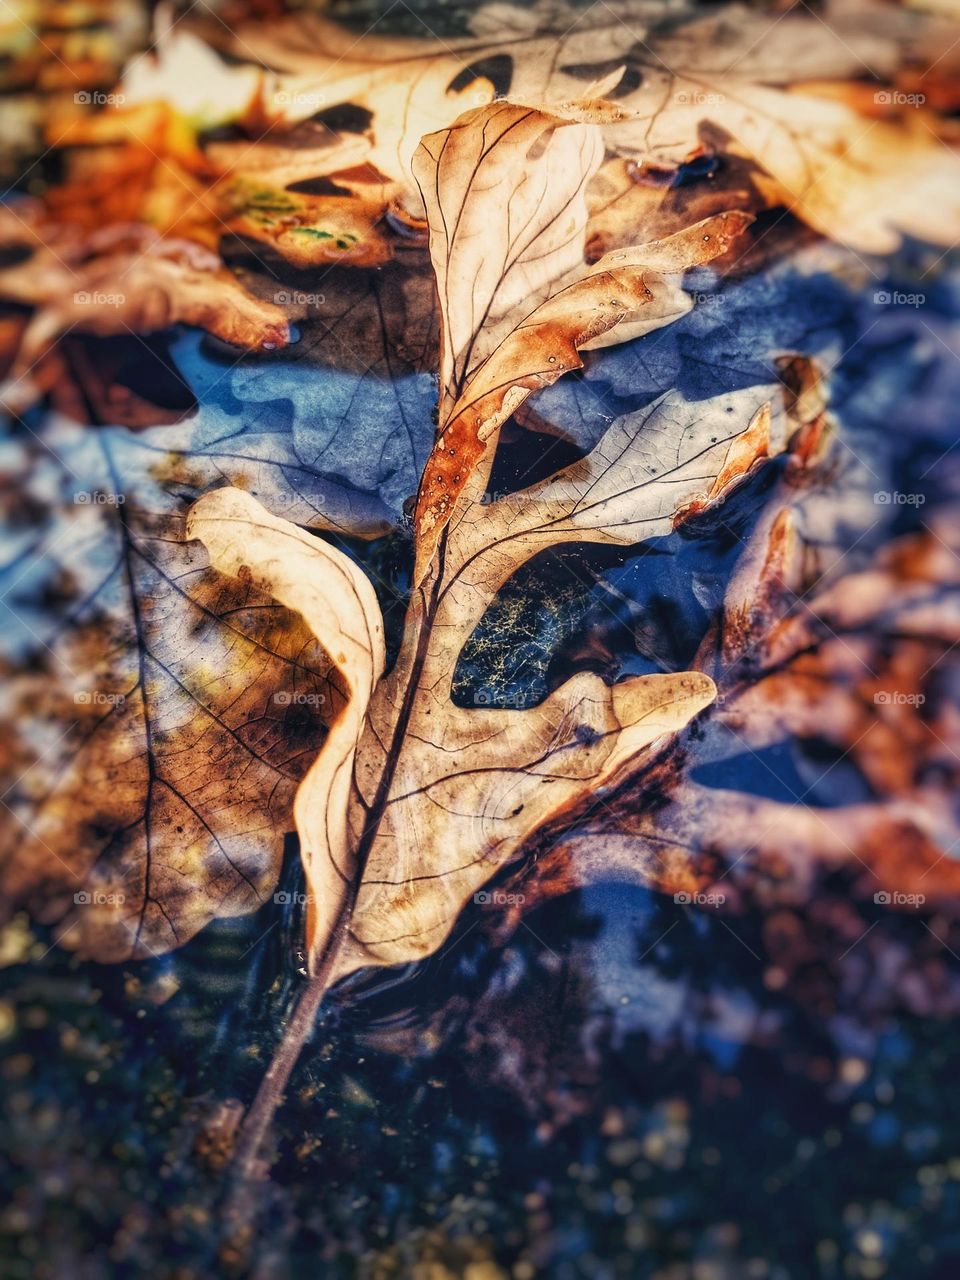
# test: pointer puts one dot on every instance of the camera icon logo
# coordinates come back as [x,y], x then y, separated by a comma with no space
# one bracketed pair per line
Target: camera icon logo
[83,898]
[882,498]
[482,898]
[882,898]
[283,899]
[683,899]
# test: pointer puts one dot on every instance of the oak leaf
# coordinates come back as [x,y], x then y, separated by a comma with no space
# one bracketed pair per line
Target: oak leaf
[739,81]
[440,798]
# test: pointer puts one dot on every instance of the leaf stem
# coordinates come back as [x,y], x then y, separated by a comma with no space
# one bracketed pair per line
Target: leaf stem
[270,1091]
[248,1164]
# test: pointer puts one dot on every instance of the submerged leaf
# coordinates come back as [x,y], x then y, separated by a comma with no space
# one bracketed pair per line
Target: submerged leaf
[160,718]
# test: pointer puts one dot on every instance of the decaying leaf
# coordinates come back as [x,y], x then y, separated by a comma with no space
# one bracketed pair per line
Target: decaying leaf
[143,286]
[235,697]
[441,797]
[495,242]
[737,81]
[152,754]
[307,231]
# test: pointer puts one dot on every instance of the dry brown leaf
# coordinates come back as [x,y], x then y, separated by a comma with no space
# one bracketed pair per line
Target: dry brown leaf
[140,287]
[152,751]
[736,79]
[421,802]
[495,244]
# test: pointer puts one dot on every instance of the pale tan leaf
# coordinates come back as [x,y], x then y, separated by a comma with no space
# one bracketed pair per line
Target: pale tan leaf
[497,345]
[738,79]
[443,797]
[505,194]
